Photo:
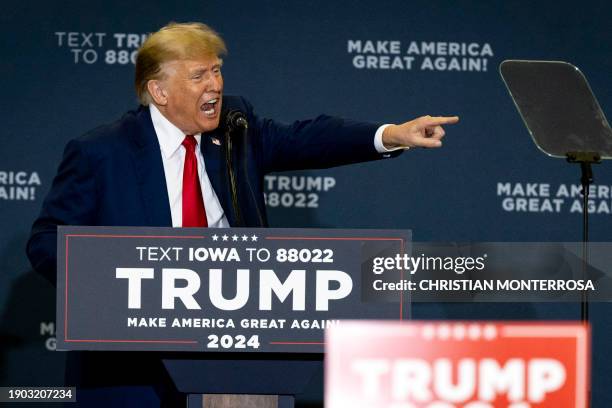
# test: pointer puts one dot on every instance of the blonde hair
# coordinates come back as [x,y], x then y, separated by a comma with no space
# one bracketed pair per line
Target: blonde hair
[175,41]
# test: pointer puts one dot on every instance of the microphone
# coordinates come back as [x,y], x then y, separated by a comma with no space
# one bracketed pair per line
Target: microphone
[236,119]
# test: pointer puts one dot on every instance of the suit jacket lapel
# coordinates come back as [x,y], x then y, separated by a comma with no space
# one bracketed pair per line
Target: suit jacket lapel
[150,174]
[216,168]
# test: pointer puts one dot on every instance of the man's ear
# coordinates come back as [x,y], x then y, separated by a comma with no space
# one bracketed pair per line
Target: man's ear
[157,92]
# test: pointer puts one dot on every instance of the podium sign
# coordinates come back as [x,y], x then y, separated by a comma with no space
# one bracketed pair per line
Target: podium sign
[238,290]
[456,364]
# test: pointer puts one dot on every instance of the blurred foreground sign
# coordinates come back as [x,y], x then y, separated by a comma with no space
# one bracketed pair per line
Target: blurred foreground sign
[456,364]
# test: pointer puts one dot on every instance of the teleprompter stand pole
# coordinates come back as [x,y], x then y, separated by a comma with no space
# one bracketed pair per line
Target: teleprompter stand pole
[585,159]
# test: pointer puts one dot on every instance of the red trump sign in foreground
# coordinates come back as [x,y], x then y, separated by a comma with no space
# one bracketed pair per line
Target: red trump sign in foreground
[456,364]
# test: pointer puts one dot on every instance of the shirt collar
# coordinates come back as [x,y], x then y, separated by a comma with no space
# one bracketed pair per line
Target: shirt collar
[169,136]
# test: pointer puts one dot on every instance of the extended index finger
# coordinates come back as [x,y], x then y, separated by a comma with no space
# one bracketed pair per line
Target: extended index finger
[439,120]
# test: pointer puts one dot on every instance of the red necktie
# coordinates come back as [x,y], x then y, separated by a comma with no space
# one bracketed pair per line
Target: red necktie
[194,214]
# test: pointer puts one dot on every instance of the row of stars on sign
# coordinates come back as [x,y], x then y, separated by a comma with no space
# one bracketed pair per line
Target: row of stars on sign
[459,331]
[234,237]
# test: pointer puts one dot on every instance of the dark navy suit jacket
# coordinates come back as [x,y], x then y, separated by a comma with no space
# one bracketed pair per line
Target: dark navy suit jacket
[114,174]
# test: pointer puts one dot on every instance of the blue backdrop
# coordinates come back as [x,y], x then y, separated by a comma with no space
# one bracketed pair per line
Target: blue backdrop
[66,68]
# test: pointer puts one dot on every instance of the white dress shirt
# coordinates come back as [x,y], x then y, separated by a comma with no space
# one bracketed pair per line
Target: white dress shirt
[378,143]
[173,157]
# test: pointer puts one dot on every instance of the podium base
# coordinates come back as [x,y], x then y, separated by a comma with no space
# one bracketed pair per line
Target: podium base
[239,401]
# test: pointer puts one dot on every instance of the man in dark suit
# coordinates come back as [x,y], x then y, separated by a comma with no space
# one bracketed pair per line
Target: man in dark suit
[116,175]
[176,161]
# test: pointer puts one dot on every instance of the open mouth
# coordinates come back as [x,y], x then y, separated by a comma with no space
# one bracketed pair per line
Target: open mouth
[210,107]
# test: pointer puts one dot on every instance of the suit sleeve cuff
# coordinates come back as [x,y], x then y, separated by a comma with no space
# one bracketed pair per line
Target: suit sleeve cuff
[378,143]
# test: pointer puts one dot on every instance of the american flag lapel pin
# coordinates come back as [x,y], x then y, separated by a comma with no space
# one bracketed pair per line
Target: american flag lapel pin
[215,141]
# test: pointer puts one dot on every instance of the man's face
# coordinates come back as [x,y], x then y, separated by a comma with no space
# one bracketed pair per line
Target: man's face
[193,90]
